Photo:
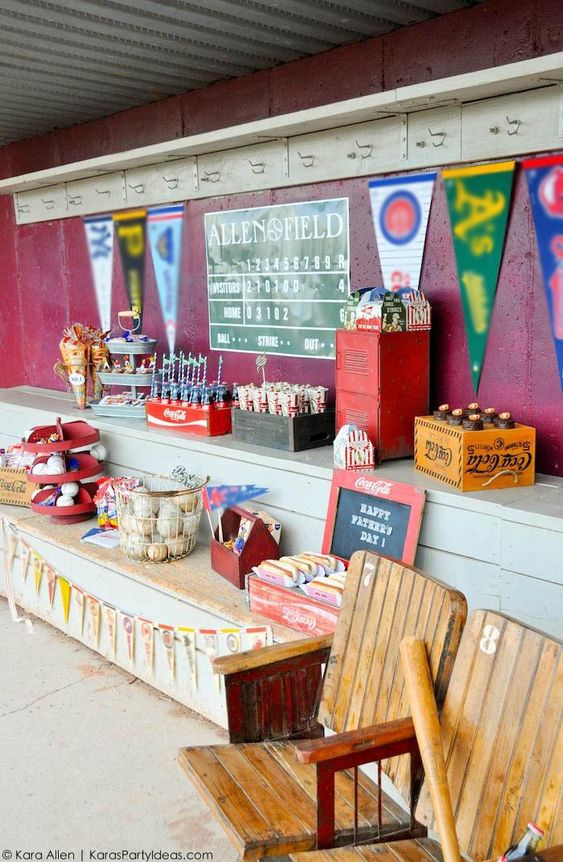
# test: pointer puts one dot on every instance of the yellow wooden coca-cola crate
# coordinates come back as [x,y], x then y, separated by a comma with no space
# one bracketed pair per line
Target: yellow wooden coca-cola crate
[475,460]
[15,490]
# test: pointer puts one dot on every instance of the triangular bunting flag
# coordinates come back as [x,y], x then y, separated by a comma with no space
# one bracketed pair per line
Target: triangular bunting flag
[147,634]
[130,228]
[400,208]
[478,202]
[37,566]
[51,582]
[256,638]
[64,589]
[111,615]
[167,640]
[93,617]
[210,647]
[25,558]
[78,595]
[187,638]
[128,624]
[164,225]
[99,238]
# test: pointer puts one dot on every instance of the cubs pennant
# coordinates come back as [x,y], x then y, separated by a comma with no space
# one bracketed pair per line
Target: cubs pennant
[165,239]
[400,207]
[545,184]
[99,238]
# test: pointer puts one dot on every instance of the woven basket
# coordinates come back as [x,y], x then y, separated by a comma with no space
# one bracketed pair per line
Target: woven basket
[158,520]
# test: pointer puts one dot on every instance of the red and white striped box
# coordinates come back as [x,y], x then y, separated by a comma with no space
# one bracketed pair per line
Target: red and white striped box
[359,453]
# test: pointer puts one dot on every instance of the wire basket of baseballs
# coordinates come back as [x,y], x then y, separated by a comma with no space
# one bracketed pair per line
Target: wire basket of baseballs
[159,519]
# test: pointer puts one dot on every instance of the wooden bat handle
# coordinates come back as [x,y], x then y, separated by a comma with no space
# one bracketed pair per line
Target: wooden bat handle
[427,727]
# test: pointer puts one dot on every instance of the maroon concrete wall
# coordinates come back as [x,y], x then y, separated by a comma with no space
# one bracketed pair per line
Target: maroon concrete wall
[44,271]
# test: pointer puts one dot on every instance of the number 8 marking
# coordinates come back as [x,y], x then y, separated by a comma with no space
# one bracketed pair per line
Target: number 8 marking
[488,644]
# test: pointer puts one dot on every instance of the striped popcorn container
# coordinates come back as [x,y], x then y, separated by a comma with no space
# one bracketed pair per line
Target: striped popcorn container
[359,453]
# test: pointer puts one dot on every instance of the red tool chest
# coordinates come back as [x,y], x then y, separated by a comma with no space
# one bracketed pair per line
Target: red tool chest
[382,383]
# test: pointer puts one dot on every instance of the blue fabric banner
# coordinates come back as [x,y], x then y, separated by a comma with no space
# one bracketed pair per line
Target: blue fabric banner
[165,240]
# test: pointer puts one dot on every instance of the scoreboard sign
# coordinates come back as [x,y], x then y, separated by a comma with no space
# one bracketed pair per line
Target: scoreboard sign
[278,277]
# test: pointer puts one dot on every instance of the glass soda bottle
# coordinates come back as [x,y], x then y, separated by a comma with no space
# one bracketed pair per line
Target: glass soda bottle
[526,847]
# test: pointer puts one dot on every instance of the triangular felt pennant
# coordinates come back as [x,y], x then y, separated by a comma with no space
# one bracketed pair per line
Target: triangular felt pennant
[99,238]
[400,208]
[167,640]
[64,589]
[110,615]
[37,566]
[130,227]
[93,617]
[231,639]
[545,184]
[256,638]
[78,595]
[478,202]
[210,647]
[25,558]
[164,225]
[187,638]
[147,634]
[128,624]
[51,582]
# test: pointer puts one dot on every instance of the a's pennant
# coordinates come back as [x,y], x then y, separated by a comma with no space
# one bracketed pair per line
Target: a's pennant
[478,202]
[131,228]
[99,238]
[165,228]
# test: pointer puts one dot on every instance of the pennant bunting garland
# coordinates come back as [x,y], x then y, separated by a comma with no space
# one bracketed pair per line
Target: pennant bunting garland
[130,227]
[164,226]
[128,624]
[400,208]
[51,582]
[111,615]
[478,202]
[545,184]
[37,566]
[99,238]
[147,635]
[93,615]
[79,603]
[187,637]
[25,558]
[167,640]
[64,589]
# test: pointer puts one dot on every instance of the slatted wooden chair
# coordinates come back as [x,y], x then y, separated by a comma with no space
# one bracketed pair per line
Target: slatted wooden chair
[261,793]
[503,743]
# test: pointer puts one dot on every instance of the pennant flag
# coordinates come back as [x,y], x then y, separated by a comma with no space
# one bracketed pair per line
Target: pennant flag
[25,558]
[93,615]
[210,647]
[478,203]
[400,207]
[130,227]
[147,634]
[164,225]
[99,238]
[128,623]
[110,615]
[51,582]
[545,184]
[256,638]
[37,566]
[78,595]
[223,496]
[167,640]
[187,638]
[64,589]
[231,639]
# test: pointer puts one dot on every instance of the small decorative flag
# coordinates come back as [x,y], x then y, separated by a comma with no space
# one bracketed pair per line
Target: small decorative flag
[111,615]
[231,639]
[164,225]
[93,615]
[187,637]
[99,238]
[51,582]
[223,496]
[25,558]
[400,208]
[130,228]
[64,589]
[37,566]
[147,634]
[256,638]
[128,623]
[167,640]
[210,647]
[79,602]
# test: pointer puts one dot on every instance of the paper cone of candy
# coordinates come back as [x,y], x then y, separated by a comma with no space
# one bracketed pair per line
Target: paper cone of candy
[84,352]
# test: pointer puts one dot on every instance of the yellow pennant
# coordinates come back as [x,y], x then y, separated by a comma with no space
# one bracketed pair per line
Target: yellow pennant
[64,589]
[37,566]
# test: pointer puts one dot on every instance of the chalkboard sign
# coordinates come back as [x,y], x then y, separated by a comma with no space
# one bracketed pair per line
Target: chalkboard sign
[370,514]
[278,277]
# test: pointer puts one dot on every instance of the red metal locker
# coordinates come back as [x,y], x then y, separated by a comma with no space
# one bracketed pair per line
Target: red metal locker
[382,383]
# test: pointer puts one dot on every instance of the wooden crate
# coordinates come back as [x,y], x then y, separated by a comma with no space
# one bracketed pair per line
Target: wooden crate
[291,608]
[15,490]
[475,460]
[291,433]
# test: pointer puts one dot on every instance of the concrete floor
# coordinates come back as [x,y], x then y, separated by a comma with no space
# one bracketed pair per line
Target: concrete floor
[88,755]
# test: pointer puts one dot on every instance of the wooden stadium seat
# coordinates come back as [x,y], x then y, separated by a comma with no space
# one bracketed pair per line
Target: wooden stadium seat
[262,794]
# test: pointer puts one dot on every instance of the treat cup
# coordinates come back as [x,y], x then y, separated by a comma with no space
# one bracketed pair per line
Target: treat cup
[273,402]
[75,375]
[317,395]
[244,400]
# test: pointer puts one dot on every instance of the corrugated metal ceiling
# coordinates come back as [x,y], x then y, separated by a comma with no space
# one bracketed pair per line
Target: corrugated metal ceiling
[70,61]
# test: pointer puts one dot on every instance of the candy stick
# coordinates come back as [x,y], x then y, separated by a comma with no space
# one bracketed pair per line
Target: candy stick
[219,368]
[204,378]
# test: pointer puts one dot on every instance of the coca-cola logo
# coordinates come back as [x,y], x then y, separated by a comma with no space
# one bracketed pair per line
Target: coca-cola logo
[378,487]
[175,415]
[296,617]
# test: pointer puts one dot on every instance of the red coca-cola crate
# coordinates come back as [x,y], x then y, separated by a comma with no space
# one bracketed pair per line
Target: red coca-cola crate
[291,608]
[208,420]
[382,383]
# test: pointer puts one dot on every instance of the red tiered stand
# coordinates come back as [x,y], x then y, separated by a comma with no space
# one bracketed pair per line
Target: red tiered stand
[72,435]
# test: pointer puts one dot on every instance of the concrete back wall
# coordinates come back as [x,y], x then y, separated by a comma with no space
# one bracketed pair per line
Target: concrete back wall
[45,278]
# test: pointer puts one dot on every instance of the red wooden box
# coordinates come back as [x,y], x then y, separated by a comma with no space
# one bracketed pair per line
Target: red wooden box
[382,383]
[209,420]
[291,608]
[260,545]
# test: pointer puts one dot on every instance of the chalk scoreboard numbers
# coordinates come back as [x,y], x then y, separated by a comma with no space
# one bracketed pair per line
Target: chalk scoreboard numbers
[278,277]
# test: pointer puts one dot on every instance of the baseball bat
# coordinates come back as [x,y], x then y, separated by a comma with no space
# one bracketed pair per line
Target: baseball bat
[427,728]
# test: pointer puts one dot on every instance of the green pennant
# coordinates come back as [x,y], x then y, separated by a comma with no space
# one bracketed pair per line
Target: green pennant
[478,202]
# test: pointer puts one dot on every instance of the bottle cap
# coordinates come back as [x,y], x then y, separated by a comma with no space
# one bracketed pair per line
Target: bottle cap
[535,829]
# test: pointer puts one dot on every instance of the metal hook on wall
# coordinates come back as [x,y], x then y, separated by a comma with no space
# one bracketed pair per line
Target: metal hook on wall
[211,177]
[441,135]
[261,166]
[48,204]
[366,155]
[307,160]
[23,208]
[139,188]
[516,123]
[171,182]
[74,200]
[103,191]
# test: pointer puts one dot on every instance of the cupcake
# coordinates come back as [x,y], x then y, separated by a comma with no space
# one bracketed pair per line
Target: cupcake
[442,412]
[504,421]
[473,422]
[455,417]
[471,408]
[489,414]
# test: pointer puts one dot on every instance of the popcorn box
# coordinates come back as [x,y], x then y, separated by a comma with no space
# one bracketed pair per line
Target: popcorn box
[475,460]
